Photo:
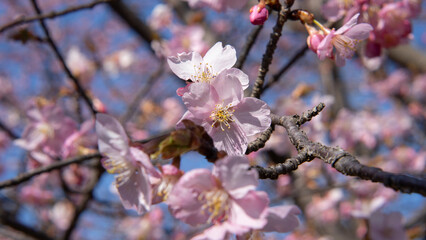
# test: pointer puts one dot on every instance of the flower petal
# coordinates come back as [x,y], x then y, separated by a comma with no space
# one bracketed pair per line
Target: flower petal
[282,219]
[220,58]
[183,64]
[325,48]
[233,172]
[200,99]
[348,24]
[359,31]
[253,115]
[251,210]
[135,193]
[228,88]
[142,158]
[112,139]
[183,199]
[232,140]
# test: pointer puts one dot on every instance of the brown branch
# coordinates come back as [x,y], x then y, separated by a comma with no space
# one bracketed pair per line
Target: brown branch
[28,175]
[58,54]
[343,161]
[23,19]
[270,48]
[287,166]
[261,140]
[251,39]
[29,231]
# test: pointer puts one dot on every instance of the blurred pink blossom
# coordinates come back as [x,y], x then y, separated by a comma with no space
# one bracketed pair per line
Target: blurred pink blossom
[218,5]
[386,226]
[131,164]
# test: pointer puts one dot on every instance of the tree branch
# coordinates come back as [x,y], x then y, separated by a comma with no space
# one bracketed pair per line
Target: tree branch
[270,48]
[8,131]
[28,175]
[261,140]
[251,39]
[23,19]
[343,161]
[58,54]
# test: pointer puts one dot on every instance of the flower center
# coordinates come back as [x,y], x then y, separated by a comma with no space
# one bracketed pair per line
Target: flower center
[118,166]
[216,203]
[222,116]
[46,130]
[203,73]
[345,46]
[166,186]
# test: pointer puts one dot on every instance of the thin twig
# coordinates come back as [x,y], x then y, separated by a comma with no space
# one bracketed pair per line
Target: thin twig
[58,54]
[8,131]
[23,19]
[28,175]
[276,77]
[270,48]
[251,39]
[142,93]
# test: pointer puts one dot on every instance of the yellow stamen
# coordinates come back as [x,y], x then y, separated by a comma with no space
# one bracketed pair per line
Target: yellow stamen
[222,115]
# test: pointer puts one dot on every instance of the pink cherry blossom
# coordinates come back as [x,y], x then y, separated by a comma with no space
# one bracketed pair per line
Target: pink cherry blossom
[46,132]
[191,66]
[228,117]
[218,5]
[386,226]
[225,197]
[345,40]
[131,164]
[169,177]
[161,16]
[282,219]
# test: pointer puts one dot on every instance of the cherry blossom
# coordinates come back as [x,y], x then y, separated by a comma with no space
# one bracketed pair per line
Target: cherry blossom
[258,14]
[225,197]
[191,66]
[386,226]
[131,164]
[228,117]
[345,40]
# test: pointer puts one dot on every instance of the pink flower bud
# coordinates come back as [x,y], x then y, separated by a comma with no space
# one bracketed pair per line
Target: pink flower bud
[314,40]
[258,15]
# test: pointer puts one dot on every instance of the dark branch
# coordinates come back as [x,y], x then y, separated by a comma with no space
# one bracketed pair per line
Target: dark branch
[27,176]
[276,77]
[341,160]
[58,54]
[29,231]
[7,130]
[134,22]
[270,48]
[142,93]
[289,165]
[260,141]
[251,39]
[51,15]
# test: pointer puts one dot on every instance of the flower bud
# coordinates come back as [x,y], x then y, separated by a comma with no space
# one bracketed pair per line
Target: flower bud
[258,15]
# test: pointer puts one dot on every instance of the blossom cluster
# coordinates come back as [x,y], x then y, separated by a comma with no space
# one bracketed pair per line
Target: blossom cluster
[225,198]
[390,21]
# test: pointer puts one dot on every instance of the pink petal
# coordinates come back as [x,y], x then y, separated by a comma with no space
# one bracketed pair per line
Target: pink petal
[250,211]
[253,115]
[233,172]
[348,25]
[221,231]
[359,31]
[228,88]
[232,140]
[188,115]
[282,219]
[183,64]
[200,99]
[135,193]
[240,75]
[325,48]
[220,58]
[145,161]
[112,139]
[183,200]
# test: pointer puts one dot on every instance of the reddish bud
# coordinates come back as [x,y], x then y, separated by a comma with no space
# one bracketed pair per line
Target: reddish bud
[258,15]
